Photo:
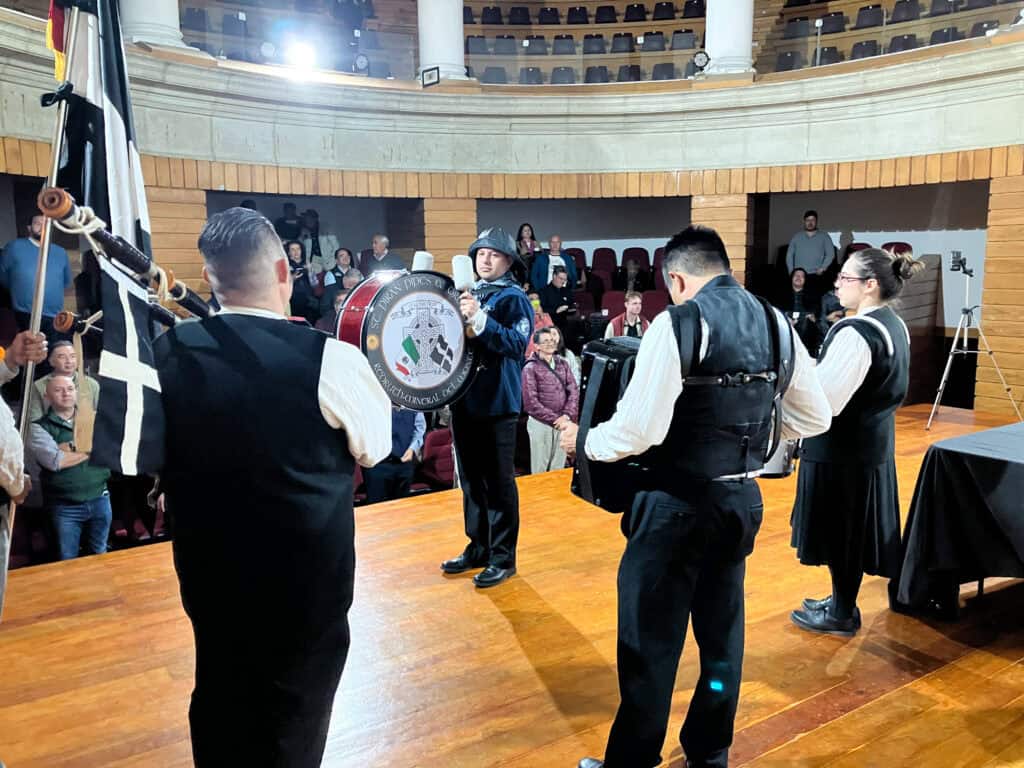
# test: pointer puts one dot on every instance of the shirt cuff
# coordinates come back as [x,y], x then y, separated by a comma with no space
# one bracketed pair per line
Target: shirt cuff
[479,322]
[14,369]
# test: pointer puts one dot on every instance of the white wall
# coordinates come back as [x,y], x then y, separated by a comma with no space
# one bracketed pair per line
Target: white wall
[354,220]
[589,224]
[937,218]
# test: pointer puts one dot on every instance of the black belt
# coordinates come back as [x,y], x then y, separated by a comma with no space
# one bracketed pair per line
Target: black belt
[732,379]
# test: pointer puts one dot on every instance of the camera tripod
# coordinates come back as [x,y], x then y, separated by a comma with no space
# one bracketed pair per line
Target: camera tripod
[963,328]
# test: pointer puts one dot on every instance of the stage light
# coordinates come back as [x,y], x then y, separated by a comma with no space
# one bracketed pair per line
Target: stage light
[302,56]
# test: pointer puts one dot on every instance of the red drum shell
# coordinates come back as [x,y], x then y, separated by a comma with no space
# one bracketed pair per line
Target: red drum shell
[409,327]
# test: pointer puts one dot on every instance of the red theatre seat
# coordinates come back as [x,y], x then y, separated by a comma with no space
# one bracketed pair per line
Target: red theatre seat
[438,467]
[654,303]
[578,256]
[614,302]
[605,260]
[897,247]
[639,255]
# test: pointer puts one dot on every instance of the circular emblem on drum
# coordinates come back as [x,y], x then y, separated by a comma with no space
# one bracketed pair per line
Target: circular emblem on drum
[419,351]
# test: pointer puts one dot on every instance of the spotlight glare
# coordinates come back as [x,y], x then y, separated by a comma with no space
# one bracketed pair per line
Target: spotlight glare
[301,56]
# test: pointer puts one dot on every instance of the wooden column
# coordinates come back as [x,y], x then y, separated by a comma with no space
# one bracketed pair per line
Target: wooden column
[1003,296]
[176,217]
[732,216]
[449,227]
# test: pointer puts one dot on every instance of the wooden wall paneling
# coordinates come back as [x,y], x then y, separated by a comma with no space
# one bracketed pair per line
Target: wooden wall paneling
[29,161]
[217,177]
[789,178]
[964,166]
[696,183]
[933,169]
[858,174]
[949,166]
[1015,160]
[873,174]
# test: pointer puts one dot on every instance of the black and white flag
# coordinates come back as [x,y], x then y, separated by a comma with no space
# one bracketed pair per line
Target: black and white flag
[100,166]
[129,432]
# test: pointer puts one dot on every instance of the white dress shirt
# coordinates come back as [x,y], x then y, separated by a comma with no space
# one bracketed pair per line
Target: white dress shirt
[350,396]
[644,413]
[12,451]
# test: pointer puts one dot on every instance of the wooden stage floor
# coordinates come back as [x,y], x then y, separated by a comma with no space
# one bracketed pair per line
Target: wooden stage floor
[97,655]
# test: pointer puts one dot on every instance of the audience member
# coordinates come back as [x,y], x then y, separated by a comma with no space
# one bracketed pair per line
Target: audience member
[18,265]
[567,354]
[63,362]
[381,258]
[810,250]
[342,276]
[541,319]
[556,298]
[550,399]
[320,246]
[526,242]
[631,322]
[831,311]
[248,203]
[801,304]
[74,492]
[391,478]
[289,225]
[328,322]
[303,301]
[545,261]
[631,277]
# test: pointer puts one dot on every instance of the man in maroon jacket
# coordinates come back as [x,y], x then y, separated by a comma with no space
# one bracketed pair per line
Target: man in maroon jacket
[550,398]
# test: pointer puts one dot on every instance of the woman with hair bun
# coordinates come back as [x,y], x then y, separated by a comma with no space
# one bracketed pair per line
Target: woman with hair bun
[846,513]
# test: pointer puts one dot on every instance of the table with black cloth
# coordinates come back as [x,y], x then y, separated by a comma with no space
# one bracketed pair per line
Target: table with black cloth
[966,521]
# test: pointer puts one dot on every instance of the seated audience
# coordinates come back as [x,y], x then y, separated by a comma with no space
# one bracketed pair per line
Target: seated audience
[381,258]
[631,277]
[631,322]
[328,322]
[74,492]
[830,312]
[391,478]
[801,306]
[544,264]
[526,242]
[551,399]
[339,275]
[541,319]
[63,362]
[304,302]
[557,299]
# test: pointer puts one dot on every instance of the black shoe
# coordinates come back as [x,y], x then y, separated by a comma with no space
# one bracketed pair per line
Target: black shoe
[461,564]
[824,622]
[810,604]
[591,762]
[493,576]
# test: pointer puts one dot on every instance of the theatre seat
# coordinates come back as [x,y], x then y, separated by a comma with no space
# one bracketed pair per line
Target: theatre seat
[864,49]
[796,28]
[563,45]
[629,73]
[635,12]
[476,44]
[597,75]
[653,41]
[530,76]
[594,44]
[902,43]
[664,71]
[438,467]
[491,15]
[605,14]
[654,303]
[981,28]
[605,258]
[942,7]
[830,55]
[505,45]
[637,254]
[832,23]
[905,10]
[944,35]
[536,45]
[787,61]
[578,15]
[519,15]
[870,16]
[495,75]
[683,40]
[694,9]
[548,16]
[467,15]
[613,301]
[623,42]
[563,76]
[663,12]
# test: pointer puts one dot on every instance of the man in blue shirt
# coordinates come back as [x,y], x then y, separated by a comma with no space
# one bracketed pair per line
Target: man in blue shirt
[499,323]
[18,275]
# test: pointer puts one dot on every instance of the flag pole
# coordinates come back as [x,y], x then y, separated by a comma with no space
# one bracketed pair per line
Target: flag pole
[36,317]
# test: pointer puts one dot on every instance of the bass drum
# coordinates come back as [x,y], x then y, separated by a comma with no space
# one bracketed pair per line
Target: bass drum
[409,327]
[782,462]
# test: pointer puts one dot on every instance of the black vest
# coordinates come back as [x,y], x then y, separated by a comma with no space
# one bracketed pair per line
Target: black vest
[864,433]
[258,485]
[720,430]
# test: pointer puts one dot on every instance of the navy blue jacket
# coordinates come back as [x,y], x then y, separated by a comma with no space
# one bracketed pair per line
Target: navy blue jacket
[539,270]
[497,389]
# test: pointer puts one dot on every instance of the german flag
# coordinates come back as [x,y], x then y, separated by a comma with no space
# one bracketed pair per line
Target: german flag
[55,39]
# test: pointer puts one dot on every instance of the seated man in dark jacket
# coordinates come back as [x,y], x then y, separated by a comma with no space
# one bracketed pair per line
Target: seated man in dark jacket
[558,300]
[630,277]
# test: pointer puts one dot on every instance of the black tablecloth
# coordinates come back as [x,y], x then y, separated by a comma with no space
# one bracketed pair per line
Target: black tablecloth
[967,518]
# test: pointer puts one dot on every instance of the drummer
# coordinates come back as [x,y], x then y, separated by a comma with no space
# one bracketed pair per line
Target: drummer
[499,322]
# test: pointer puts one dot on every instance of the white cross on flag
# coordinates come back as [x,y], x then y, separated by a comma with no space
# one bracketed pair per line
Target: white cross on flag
[129,431]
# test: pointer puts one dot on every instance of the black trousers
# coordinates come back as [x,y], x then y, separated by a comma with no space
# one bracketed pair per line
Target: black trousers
[485,450]
[388,480]
[683,558]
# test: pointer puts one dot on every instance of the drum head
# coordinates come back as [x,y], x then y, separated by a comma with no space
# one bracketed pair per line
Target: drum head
[413,335]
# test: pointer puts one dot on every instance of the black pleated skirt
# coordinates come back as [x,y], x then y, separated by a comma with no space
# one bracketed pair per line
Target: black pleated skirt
[848,516]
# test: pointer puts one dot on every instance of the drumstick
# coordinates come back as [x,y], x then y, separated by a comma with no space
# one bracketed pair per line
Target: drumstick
[462,273]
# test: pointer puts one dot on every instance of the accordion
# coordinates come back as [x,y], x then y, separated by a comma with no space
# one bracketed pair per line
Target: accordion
[606,368]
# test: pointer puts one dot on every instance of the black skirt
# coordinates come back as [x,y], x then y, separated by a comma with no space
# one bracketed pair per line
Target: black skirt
[848,516]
